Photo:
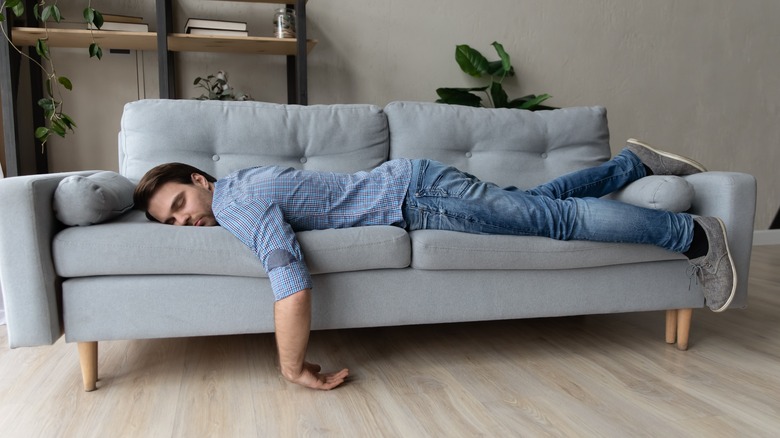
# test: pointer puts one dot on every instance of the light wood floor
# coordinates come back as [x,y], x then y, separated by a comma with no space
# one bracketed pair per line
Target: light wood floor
[609,375]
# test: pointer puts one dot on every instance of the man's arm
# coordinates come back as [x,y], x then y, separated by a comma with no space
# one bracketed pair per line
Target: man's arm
[292,318]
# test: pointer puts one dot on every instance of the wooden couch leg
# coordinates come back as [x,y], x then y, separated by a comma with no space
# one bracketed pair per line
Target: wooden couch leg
[684,317]
[671,326]
[88,358]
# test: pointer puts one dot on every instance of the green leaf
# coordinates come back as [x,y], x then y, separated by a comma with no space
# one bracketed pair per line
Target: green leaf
[93,17]
[466,89]
[68,121]
[496,68]
[95,51]
[58,127]
[471,61]
[55,13]
[505,62]
[89,15]
[65,82]
[529,102]
[46,103]
[46,13]
[500,99]
[49,106]
[458,96]
[42,48]
[17,7]
[198,79]
[42,133]
[98,19]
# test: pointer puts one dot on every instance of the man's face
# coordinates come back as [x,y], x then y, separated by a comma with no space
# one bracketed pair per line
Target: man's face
[184,204]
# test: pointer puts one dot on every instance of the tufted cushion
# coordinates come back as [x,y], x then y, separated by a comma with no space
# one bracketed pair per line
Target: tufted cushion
[505,146]
[221,137]
[87,200]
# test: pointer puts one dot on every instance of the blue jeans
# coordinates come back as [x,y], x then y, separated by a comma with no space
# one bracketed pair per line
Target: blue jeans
[441,197]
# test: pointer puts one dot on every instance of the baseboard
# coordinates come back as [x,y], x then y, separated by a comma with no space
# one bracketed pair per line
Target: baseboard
[766,237]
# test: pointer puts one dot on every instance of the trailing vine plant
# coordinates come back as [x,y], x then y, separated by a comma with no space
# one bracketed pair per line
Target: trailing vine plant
[57,121]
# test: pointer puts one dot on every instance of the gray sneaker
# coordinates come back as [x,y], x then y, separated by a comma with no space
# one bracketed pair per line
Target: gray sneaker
[662,162]
[715,271]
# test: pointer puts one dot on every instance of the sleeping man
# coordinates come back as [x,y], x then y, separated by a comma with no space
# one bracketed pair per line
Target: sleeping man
[264,206]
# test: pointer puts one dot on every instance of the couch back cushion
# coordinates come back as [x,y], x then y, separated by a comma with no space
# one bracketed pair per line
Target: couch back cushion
[221,137]
[505,146]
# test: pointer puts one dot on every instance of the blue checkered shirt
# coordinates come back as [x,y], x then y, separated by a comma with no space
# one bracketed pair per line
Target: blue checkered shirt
[264,207]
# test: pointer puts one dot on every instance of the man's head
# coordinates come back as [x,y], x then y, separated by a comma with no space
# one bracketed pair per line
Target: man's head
[176,194]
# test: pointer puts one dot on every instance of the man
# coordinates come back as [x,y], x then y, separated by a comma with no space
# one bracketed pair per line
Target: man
[264,207]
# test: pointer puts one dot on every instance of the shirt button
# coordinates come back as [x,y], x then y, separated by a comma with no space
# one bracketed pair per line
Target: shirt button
[215,157]
[303,160]
[544,155]
[468,154]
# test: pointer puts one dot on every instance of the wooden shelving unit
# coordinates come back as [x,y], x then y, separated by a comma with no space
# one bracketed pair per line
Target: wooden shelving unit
[165,42]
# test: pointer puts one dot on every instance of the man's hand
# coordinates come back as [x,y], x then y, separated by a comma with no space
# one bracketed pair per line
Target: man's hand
[311,377]
[292,318]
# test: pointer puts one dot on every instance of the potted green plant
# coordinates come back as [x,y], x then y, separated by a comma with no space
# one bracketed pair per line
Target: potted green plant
[472,62]
[217,88]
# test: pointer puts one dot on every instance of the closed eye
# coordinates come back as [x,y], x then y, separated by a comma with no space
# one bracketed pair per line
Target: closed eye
[176,205]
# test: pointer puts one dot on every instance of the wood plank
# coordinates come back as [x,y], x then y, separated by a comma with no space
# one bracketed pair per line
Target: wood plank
[180,42]
[27,36]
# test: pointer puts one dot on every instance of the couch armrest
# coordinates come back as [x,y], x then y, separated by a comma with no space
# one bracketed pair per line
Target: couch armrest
[730,196]
[29,284]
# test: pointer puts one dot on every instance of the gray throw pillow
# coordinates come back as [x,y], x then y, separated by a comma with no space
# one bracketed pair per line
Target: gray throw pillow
[659,192]
[88,200]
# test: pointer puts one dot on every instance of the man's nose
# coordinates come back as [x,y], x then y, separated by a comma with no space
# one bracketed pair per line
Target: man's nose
[181,219]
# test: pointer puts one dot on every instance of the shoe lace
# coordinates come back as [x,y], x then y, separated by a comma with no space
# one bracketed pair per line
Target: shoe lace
[695,272]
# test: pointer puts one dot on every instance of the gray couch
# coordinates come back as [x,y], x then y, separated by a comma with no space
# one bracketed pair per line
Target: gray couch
[128,278]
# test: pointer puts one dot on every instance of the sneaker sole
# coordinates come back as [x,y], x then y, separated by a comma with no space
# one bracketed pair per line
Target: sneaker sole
[733,269]
[676,157]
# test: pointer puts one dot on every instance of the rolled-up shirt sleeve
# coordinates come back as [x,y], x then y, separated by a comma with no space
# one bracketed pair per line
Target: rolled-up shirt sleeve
[261,226]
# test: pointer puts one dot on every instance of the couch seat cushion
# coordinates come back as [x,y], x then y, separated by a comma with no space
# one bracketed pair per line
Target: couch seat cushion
[133,245]
[441,250]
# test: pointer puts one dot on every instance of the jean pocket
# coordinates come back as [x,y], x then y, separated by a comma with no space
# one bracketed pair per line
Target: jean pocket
[444,182]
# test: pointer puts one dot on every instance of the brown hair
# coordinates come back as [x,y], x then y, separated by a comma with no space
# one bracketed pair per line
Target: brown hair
[159,176]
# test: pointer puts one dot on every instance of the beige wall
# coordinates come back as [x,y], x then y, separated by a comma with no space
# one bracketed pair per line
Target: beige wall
[700,77]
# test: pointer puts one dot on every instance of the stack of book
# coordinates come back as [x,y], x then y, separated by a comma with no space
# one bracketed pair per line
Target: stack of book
[200,26]
[124,23]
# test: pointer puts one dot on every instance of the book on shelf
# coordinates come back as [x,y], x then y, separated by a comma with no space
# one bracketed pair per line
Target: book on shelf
[202,23]
[78,25]
[122,18]
[125,27]
[216,32]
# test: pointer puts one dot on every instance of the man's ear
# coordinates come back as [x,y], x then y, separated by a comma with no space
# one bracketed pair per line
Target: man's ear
[199,180]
